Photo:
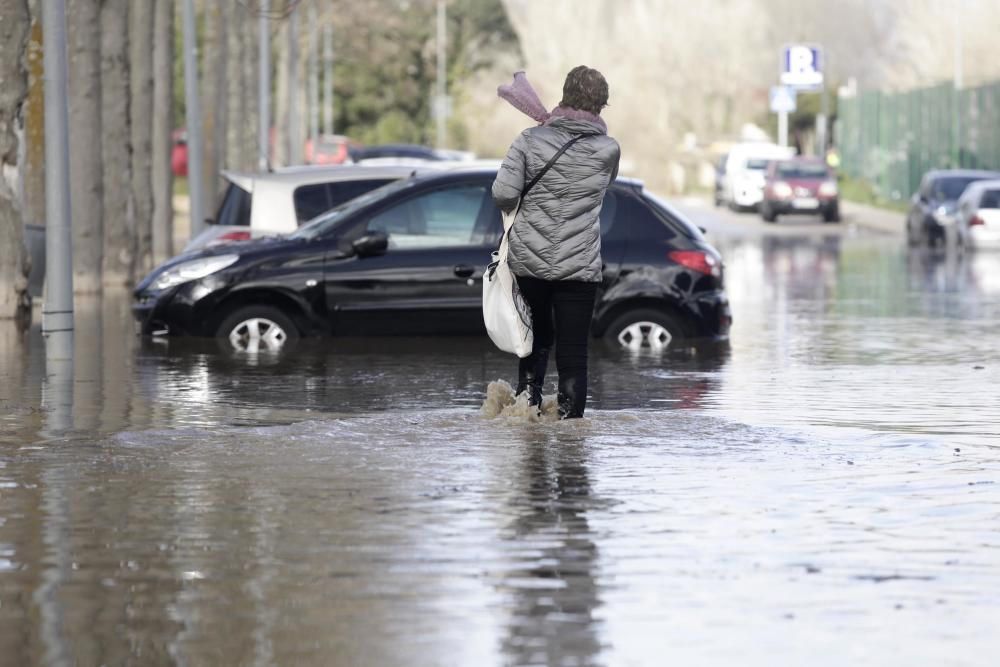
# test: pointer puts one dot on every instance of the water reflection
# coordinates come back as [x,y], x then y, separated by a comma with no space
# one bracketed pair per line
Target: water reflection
[553,591]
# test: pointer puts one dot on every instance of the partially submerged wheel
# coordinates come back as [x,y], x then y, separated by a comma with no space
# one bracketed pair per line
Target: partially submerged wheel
[644,330]
[257,329]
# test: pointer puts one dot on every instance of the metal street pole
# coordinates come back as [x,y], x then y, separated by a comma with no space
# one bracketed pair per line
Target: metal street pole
[441,102]
[782,128]
[313,82]
[294,136]
[57,316]
[193,106]
[328,79]
[264,88]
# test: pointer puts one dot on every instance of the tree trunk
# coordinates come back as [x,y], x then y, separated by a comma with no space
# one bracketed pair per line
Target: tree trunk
[119,225]
[280,101]
[236,106]
[214,47]
[85,171]
[163,126]
[14,299]
[34,128]
[249,100]
[141,112]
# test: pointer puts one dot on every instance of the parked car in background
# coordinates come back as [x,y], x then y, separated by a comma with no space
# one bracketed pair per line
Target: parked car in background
[743,183]
[409,259]
[398,152]
[720,179]
[268,203]
[800,186]
[329,149]
[977,222]
[179,153]
[935,204]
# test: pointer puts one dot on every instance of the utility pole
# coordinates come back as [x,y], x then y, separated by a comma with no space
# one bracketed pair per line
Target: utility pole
[194,140]
[294,136]
[328,79]
[57,316]
[441,99]
[313,83]
[264,88]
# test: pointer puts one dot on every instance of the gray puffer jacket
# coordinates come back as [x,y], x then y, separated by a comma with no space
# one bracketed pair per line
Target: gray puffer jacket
[557,234]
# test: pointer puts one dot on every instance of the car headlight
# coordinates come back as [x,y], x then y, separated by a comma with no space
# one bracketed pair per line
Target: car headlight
[782,190]
[193,270]
[943,215]
[828,188]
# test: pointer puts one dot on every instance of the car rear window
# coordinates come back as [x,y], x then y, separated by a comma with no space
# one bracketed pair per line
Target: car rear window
[344,191]
[990,199]
[312,200]
[671,218]
[234,209]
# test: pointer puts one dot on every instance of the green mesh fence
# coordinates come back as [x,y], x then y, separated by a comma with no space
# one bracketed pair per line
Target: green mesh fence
[891,139]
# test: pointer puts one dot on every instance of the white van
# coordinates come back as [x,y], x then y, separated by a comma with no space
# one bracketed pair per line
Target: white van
[745,168]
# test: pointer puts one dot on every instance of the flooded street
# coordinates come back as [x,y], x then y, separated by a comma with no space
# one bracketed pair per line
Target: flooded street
[824,490]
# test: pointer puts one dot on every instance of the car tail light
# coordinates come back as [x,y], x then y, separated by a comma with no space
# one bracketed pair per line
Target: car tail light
[235,236]
[782,190]
[828,189]
[976,220]
[696,260]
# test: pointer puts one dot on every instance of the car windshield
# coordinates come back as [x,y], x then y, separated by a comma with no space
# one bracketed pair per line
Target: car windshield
[991,199]
[951,188]
[325,222]
[757,163]
[802,170]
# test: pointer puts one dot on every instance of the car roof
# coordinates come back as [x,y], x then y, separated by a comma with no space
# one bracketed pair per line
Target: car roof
[985,184]
[968,173]
[488,168]
[306,175]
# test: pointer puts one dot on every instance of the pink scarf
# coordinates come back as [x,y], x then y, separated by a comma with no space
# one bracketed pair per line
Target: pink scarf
[523,97]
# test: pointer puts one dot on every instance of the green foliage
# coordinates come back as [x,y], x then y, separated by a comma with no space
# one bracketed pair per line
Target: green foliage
[386,60]
[861,191]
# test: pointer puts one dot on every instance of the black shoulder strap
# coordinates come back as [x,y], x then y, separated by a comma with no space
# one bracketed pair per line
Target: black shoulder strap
[548,165]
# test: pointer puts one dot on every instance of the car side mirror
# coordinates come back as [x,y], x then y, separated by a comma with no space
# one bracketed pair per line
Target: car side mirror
[371,244]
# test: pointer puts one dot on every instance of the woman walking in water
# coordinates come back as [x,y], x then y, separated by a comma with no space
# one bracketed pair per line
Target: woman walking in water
[555,242]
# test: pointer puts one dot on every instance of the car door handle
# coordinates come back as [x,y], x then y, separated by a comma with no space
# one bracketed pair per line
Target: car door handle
[464,270]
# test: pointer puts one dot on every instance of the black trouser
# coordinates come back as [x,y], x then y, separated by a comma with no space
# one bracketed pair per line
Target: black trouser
[561,312]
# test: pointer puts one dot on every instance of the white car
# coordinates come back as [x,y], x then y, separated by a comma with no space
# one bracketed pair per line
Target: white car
[977,220]
[277,202]
[746,164]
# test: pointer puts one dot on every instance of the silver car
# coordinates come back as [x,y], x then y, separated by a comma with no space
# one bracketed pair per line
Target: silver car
[977,222]
[269,203]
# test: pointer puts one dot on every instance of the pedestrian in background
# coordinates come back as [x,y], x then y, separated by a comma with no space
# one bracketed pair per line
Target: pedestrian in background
[555,241]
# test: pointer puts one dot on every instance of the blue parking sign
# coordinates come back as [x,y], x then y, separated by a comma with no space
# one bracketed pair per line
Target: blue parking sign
[802,66]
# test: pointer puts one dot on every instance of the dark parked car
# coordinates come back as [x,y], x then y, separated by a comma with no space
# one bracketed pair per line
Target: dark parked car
[935,204]
[800,186]
[408,258]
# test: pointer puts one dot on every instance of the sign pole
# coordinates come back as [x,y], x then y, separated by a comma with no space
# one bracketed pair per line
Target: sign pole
[783,128]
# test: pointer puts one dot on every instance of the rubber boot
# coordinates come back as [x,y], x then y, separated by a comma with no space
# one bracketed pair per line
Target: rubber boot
[572,395]
[531,375]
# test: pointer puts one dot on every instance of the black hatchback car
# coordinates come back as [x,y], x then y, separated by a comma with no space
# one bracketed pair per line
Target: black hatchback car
[408,258]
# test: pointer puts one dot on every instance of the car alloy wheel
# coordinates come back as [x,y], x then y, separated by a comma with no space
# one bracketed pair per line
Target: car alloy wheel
[258,334]
[645,335]
[257,328]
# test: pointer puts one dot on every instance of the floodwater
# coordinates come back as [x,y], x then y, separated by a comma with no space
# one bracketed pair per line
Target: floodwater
[824,491]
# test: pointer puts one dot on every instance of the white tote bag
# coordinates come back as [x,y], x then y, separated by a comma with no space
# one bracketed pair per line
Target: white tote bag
[506,313]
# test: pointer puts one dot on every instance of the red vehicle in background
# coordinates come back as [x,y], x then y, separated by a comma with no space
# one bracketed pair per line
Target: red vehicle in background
[179,153]
[329,149]
[800,186]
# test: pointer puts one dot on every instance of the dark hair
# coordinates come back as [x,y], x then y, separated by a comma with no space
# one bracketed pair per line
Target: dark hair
[585,89]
